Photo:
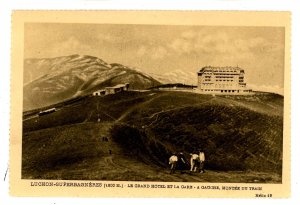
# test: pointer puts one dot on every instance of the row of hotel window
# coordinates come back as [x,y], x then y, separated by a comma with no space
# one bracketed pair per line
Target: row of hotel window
[220,80]
[221,73]
[222,86]
[229,70]
[240,77]
[229,91]
[224,80]
[209,77]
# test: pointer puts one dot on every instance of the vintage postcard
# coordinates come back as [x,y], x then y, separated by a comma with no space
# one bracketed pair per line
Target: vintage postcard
[150,104]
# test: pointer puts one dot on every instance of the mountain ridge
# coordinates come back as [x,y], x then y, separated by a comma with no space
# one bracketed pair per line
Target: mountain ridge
[51,80]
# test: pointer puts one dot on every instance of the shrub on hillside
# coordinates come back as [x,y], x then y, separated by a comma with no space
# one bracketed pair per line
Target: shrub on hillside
[141,144]
[130,138]
[233,138]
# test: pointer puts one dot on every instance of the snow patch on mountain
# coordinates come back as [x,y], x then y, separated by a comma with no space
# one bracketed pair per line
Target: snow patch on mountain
[47,81]
[176,76]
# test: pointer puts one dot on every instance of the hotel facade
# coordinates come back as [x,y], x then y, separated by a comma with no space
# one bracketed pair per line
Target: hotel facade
[222,80]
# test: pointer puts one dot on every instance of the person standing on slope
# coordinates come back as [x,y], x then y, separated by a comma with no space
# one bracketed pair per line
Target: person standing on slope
[173,162]
[202,160]
[194,162]
[182,162]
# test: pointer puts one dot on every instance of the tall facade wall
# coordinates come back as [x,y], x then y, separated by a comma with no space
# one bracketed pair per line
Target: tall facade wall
[226,80]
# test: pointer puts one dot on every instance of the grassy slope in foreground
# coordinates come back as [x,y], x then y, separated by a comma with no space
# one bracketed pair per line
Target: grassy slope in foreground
[236,133]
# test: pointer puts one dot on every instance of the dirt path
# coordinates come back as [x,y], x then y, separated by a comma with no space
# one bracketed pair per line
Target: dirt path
[178,108]
[125,114]
[120,165]
[109,162]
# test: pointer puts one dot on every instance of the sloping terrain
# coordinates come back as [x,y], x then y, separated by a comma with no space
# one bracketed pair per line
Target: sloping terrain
[49,81]
[237,132]
[241,136]
[84,155]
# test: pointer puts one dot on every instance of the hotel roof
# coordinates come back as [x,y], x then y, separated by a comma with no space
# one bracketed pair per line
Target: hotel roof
[217,69]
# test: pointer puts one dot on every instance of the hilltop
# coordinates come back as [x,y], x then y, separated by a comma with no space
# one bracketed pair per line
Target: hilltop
[52,80]
[241,135]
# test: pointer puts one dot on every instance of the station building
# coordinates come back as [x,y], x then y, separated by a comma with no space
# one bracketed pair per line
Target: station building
[112,90]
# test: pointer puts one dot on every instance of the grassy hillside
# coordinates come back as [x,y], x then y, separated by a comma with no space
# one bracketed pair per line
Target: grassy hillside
[237,133]
[243,134]
[87,109]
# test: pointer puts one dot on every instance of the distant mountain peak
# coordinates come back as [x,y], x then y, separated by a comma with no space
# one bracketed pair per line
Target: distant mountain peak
[177,76]
[51,80]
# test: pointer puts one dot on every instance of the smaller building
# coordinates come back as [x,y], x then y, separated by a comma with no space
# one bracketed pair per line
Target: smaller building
[99,93]
[112,90]
[48,111]
[116,88]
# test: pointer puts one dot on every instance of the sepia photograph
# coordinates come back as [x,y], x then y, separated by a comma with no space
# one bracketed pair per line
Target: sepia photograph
[153,103]
[140,102]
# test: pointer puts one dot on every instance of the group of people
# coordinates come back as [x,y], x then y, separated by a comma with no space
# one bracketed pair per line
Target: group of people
[179,162]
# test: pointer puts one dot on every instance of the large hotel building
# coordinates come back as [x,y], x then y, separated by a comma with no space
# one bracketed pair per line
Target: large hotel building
[222,80]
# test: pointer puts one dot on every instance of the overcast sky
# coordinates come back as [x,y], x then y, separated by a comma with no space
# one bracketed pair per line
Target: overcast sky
[161,49]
